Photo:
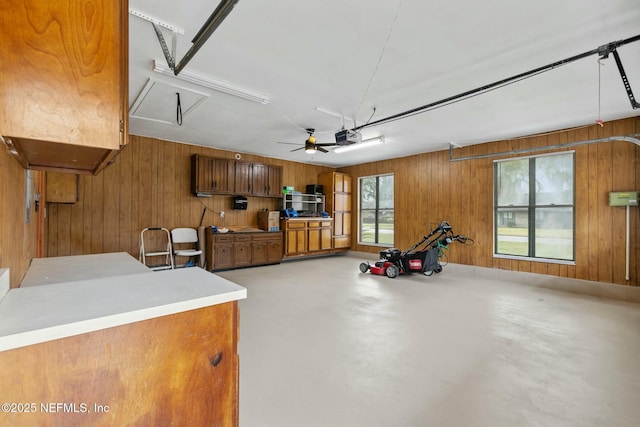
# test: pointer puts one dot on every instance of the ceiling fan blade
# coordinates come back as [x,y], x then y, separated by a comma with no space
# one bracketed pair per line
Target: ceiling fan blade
[288,143]
[296,149]
[319,148]
[327,144]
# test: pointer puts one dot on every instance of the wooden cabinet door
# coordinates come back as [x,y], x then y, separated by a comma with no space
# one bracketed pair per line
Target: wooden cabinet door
[296,241]
[320,234]
[223,175]
[258,253]
[242,251]
[210,175]
[275,181]
[342,202]
[242,178]
[346,183]
[202,176]
[259,180]
[346,222]
[274,250]
[325,238]
[314,240]
[337,182]
[62,187]
[223,257]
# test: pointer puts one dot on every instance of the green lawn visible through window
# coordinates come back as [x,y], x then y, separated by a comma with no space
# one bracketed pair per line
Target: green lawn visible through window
[376,214]
[534,206]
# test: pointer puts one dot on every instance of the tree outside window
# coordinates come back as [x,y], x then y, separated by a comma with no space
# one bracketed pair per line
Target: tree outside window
[376,214]
[534,207]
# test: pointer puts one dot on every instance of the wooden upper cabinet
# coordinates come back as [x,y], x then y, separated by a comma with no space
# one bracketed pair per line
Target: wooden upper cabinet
[243,178]
[260,180]
[211,175]
[275,181]
[64,83]
[342,183]
[225,176]
[62,188]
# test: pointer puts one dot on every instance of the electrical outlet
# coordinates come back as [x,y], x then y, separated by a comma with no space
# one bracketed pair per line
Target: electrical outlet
[221,214]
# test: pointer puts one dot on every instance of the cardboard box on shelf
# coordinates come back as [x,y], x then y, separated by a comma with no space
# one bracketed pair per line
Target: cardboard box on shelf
[269,220]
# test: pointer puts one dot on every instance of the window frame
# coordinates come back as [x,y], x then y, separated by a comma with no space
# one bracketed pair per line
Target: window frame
[376,210]
[531,208]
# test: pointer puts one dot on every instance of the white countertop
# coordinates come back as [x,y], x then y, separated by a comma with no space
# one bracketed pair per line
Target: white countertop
[43,271]
[36,314]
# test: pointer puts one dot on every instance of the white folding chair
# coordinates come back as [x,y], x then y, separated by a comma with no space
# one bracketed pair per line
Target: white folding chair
[185,244]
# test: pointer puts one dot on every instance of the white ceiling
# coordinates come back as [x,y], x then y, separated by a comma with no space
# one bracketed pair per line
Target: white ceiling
[346,57]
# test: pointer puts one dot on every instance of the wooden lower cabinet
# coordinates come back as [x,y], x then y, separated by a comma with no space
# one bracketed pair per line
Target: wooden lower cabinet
[319,235]
[241,250]
[225,251]
[222,256]
[304,236]
[180,369]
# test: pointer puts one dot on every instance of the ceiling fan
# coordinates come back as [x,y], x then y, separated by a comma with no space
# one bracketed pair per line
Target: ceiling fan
[310,145]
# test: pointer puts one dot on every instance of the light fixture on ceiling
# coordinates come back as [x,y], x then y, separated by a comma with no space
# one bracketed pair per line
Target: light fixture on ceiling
[211,83]
[310,145]
[360,145]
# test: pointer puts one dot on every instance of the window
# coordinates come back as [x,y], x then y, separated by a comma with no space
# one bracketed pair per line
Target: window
[534,207]
[375,219]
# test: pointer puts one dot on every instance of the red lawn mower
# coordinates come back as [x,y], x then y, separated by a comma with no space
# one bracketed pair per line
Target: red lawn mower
[423,257]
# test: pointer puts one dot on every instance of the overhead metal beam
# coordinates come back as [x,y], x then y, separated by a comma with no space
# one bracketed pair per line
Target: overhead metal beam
[631,138]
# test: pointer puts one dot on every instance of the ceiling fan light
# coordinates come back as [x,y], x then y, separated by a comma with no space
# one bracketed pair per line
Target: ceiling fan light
[310,150]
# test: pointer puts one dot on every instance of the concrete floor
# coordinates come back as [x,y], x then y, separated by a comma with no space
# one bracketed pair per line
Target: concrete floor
[322,344]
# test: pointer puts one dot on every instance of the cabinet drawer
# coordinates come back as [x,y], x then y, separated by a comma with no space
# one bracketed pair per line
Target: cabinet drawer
[296,224]
[266,237]
[242,238]
[222,239]
[317,224]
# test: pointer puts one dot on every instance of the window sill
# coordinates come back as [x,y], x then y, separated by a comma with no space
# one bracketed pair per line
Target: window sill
[545,260]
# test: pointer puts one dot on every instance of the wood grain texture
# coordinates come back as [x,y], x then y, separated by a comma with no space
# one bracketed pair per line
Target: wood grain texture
[18,240]
[149,185]
[182,370]
[429,189]
[74,51]
[154,190]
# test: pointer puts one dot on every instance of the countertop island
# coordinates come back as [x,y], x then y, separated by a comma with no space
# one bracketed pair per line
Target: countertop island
[146,347]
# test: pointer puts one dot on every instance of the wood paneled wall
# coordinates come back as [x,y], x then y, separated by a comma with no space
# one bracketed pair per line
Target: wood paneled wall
[18,240]
[149,186]
[429,189]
